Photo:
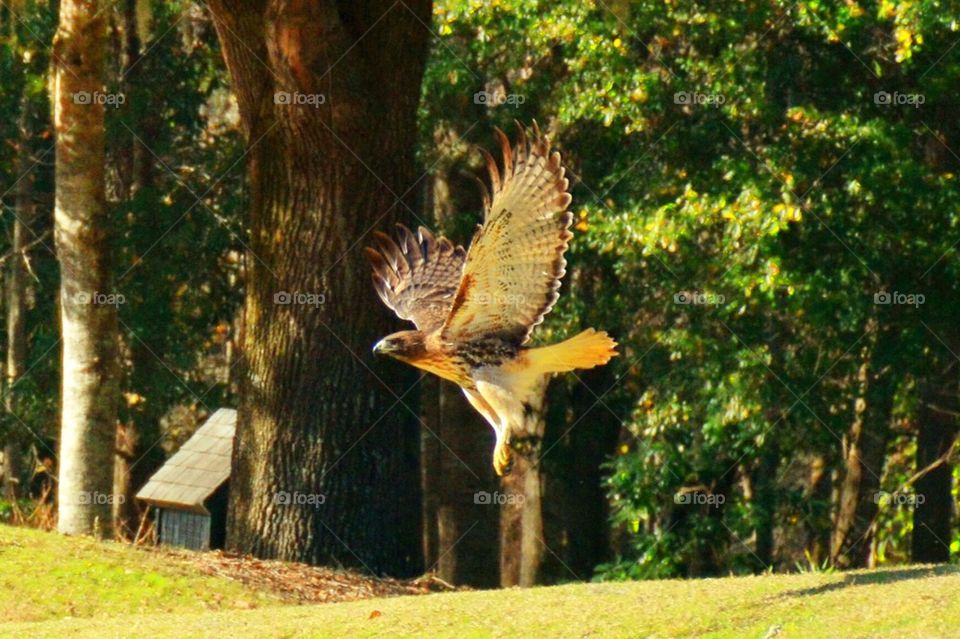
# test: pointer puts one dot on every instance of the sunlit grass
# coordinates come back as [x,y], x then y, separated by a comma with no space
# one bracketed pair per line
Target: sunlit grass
[46,576]
[52,586]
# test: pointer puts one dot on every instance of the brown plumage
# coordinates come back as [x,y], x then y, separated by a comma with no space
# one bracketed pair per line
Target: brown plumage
[418,277]
[474,310]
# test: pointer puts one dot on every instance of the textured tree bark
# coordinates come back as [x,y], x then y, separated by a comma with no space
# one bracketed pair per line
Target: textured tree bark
[863,464]
[89,328]
[521,515]
[933,519]
[326,455]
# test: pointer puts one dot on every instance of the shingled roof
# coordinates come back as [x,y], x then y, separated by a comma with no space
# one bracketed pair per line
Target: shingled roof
[197,469]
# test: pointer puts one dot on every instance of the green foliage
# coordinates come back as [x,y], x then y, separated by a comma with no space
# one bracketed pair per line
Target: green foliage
[749,175]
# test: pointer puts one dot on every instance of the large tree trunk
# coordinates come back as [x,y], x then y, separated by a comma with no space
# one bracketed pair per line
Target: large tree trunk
[319,419]
[933,519]
[89,327]
[866,440]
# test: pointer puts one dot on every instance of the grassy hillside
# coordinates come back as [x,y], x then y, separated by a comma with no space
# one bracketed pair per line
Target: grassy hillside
[46,576]
[55,587]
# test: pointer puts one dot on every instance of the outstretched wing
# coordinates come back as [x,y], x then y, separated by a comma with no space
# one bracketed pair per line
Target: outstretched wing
[515,261]
[418,276]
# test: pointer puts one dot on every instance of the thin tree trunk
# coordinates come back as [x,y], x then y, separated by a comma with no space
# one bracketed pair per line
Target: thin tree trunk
[16,302]
[459,527]
[574,505]
[89,328]
[765,481]
[135,166]
[16,349]
[328,93]
[933,518]
[431,452]
[853,532]
[521,514]
[460,524]
[581,435]
[817,500]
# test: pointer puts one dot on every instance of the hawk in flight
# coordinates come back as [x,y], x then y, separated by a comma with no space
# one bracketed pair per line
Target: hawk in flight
[475,309]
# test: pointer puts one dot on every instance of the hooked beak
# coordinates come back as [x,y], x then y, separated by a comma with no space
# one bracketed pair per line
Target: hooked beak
[382,347]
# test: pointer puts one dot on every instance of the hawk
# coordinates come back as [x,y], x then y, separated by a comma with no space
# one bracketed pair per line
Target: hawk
[475,309]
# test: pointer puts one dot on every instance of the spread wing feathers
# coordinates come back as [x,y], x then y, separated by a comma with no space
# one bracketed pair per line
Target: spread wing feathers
[515,262]
[417,276]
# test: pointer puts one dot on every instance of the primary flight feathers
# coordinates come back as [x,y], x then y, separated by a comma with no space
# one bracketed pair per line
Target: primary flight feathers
[515,262]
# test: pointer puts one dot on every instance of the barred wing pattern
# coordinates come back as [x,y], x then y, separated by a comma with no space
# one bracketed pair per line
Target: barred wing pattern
[515,262]
[417,276]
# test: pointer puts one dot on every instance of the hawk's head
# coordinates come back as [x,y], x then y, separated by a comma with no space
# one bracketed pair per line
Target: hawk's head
[416,349]
[407,346]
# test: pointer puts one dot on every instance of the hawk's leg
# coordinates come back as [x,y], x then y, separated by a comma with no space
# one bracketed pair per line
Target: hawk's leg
[502,462]
[501,451]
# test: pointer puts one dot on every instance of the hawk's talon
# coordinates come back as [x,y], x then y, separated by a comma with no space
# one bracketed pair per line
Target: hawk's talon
[502,460]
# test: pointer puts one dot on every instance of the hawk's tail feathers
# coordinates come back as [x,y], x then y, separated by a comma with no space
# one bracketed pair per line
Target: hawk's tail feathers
[586,350]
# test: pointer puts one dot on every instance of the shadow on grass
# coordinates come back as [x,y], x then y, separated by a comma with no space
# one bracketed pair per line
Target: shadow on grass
[875,577]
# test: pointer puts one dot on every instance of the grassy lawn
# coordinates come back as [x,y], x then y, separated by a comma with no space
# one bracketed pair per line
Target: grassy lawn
[56,587]
[45,576]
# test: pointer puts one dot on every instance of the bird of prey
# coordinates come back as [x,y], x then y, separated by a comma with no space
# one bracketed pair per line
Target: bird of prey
[474,310]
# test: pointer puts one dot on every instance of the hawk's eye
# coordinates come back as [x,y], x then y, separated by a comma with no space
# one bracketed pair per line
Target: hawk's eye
[387,345]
